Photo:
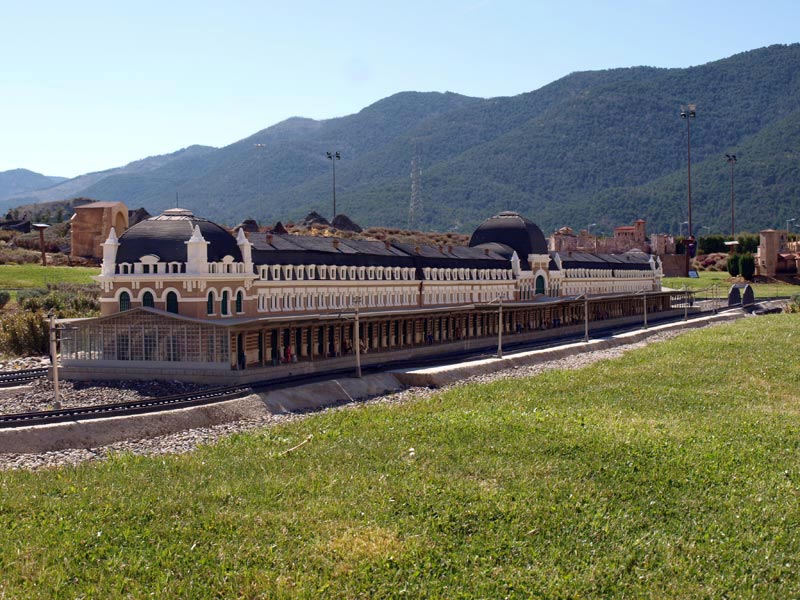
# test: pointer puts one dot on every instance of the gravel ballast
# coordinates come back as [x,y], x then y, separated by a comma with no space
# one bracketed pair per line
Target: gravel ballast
[187,441]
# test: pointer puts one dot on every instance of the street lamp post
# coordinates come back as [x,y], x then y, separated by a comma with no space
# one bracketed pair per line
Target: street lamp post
[585,316]
[500,330]
[589,234]
[40,227]
[260,148]
[499,300]
[787,226]
[685,304]
[732,161]
[54,360]
[688,113]
[357,336]
[333,157]
[644,304]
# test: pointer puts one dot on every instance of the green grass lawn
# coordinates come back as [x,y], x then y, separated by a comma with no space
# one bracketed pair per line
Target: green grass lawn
[722,280]
[672,472]
[16,277]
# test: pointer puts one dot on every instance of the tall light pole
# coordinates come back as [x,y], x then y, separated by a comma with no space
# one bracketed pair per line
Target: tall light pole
[333,157]
[54,360]
[787,227]
[688,113]
[357,337]
[585,298]
[500,329]
[259,149]
[732,161]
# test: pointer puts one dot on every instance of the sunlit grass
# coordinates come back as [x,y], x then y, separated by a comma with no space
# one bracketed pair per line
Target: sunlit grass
[672,472]
[723,282]
[36,276]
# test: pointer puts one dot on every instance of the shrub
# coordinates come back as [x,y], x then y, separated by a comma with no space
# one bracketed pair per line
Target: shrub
[733,265]
[748,242]
[32,242]
[29,294]
[4,298]
[18,256]
[64,299]
[710,244]
[24,333]
[794,304]
[747,266]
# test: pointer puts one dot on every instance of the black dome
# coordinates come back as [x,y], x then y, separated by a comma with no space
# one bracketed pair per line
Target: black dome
[513,230]
[166,236]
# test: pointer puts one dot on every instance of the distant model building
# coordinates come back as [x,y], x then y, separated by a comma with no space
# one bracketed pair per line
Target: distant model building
[181,297]
[91,225]
[776,255]
[626,238]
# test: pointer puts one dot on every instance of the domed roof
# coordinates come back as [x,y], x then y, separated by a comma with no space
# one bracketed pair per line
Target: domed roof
[514,230]
[166,234]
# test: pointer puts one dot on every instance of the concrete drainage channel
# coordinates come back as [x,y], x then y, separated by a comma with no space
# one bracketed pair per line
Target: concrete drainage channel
[100,432]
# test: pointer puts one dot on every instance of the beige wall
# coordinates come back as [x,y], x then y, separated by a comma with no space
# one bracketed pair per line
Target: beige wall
[91,225]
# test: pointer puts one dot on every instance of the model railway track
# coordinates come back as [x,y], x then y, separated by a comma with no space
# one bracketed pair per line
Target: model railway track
[220,394]
[117,409]
[14,378]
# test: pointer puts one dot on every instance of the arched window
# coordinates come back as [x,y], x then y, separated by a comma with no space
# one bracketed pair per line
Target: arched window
[147,299]
[223,304]
[124,301]
[210,304]
[172,302]
[239,302]
[540,284]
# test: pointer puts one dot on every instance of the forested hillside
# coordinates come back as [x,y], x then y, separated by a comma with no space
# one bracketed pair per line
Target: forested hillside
[605,147]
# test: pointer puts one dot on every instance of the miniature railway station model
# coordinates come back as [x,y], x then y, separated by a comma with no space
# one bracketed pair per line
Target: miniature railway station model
[182,298]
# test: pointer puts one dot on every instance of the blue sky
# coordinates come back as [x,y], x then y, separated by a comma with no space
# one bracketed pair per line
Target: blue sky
[86,85]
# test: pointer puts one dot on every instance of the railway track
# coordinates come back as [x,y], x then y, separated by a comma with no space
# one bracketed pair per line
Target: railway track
[132,407]
[210,396]
[14,378]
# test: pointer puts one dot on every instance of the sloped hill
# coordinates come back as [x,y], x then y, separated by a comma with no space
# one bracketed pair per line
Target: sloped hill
[70,188]
[20,181]
[604,146]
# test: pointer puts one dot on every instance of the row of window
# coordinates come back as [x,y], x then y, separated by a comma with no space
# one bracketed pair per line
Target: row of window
[149,300]
[224,303]
[148,268]
[332,272]
[154,268]
[226,267]
[596,273]
[289,302]
[353,273]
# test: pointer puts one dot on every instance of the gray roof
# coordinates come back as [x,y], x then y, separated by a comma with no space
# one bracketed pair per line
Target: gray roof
[165,236]
[305,249]
[638,261]
[513,230]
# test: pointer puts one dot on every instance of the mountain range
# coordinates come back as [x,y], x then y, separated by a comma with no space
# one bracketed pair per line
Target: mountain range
[22,181]
[604,147]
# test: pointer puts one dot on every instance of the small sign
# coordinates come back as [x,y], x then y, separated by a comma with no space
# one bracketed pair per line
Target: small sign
[694,274]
